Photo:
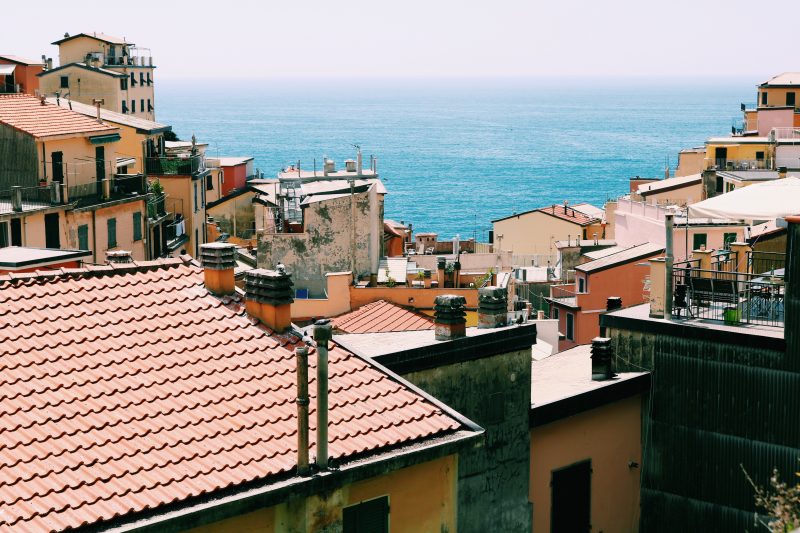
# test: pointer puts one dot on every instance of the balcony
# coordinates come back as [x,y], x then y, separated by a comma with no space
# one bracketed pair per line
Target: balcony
[156,208]
[746,292]
[24,199]
[118,187]
[174,166]
[739,164]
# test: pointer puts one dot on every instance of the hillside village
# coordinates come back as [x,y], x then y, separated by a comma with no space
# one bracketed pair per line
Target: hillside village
[191,343]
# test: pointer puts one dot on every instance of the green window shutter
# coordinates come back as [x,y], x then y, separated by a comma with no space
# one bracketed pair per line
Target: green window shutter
[729,238]
[137,226]
[83,237]
[371,516]
[699,240]
[112,232]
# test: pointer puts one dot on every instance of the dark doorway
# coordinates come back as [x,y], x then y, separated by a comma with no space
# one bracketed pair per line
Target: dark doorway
[51,238]
[16,232]
[790,99]
[58,166]
[156,241]
[100,166]
[572,491]
[722,158]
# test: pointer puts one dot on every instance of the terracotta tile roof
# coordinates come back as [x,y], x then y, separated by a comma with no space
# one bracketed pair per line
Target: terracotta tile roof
[381,316]
[26,113]
[570,214]
[128,387]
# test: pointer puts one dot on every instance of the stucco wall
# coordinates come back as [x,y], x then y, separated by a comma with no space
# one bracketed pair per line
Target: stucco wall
[180,199]
[422,498]
[493,476]
[98,234]
[533,233]
[84,86]
[235,216]
[787,155]
[331,228]
[18,159]
[690,163]
[611,437]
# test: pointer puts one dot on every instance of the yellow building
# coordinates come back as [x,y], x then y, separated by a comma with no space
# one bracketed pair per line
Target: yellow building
[586,445]
[739,153]
[59,182]
[781,91]
[101,67]
[535,232]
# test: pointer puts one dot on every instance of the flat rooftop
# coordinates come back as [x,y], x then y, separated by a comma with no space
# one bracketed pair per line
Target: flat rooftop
[21,256]
[567,374]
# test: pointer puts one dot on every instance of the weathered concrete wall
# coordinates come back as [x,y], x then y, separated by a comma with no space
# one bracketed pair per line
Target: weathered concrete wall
[495,392]
[333,230]
[18,159]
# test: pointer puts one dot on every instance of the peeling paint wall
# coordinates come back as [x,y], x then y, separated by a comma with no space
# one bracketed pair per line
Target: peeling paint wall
[339,235]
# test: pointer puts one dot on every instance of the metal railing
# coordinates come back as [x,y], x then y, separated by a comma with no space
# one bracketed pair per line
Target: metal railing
[727,295]
[181,166]
[19,199]
[562,291]
[766,263]
[739,164]
[156,207]
[785,134]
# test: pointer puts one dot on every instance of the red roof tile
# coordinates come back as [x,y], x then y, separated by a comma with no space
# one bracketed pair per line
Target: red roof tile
[26,113]
[381,316]
[126,388]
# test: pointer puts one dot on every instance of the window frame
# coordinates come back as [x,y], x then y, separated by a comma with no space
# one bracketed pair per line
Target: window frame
[695,238]
[64,82]
[111,222]
[83,228]
[569,326]
[123,84]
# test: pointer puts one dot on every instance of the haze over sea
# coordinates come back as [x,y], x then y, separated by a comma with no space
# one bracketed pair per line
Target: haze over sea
[457,153]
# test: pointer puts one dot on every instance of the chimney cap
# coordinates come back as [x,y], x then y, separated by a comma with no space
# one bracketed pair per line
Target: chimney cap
[269,286]
[218,255]
[119,256]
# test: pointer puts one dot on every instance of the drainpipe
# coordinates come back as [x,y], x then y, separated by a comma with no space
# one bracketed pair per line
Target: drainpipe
[302,410]
[669,225]
[322,334]
[94,236]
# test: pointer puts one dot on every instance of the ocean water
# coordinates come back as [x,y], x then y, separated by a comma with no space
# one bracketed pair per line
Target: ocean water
[456,154]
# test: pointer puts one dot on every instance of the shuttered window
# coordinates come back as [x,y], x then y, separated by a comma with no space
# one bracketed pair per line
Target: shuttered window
[112,232]
[3,234]
[371,516]
[83,237]
[137,226]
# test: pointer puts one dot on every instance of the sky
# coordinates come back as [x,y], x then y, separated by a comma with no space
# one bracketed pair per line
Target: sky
[241,39]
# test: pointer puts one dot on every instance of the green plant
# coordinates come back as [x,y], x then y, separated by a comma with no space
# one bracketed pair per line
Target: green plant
[155,187]
[421,275]
[449,268]
[391,282]
[486,279]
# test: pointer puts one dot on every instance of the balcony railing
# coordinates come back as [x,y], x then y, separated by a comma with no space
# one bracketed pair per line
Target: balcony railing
[723,293]
[18,199]
[156,207]
[181,166]
[740,164]
[117,187]
[785,134]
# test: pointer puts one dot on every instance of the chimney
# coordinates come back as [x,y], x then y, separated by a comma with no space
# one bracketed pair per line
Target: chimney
[322,334]
[268,297]
[349,165]
[329,166]
[595,238]
[118,257]
[602,359]
[565,207]
[613,303]
[302,410]
[441,264]
[449,317]
[492,307]
[42,99]
[219,261]
[782,172]
[792,297]
[359,162]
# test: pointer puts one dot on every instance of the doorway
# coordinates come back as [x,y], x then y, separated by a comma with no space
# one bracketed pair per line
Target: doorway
[571,492]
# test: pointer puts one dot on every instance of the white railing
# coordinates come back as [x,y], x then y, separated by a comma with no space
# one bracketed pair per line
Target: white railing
[785,134]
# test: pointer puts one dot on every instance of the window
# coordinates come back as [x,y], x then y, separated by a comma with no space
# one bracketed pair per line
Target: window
[571,498]
[790,99]
[141,105]
[554,313]
[727,239]
[720,184]
[699,240]
[141,78]
[133,79]
[759,156]
[196,243]
[133,106]
[584,234]
[209,183]
[16,232]
[137,226]
[123,84]
[3,234]
[149,80]
[764,98]
[65,82]
[196,205]
[51,233]
[124,106]
[58,166]
[149,106]
[112,232]
[570,327]
[581,285]
[83,237]
[371,516]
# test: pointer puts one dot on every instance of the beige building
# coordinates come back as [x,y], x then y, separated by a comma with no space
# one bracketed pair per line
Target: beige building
[58,182]
[101,67]
[535,232]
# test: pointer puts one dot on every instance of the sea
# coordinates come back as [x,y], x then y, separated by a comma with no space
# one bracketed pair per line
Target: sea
[457,153]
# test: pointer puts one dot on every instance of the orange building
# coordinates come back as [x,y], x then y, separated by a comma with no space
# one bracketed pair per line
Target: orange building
[236,171]
[19,75]
[615,272]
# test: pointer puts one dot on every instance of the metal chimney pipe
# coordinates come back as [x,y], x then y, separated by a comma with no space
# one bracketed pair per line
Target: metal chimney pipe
[669,225]
[322,334]
[302,410]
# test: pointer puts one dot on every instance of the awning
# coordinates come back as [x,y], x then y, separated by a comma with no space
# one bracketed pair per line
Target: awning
[5,70]
[102,139]
[762,201]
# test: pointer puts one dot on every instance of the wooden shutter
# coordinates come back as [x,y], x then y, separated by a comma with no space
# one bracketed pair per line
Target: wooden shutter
[371,516]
